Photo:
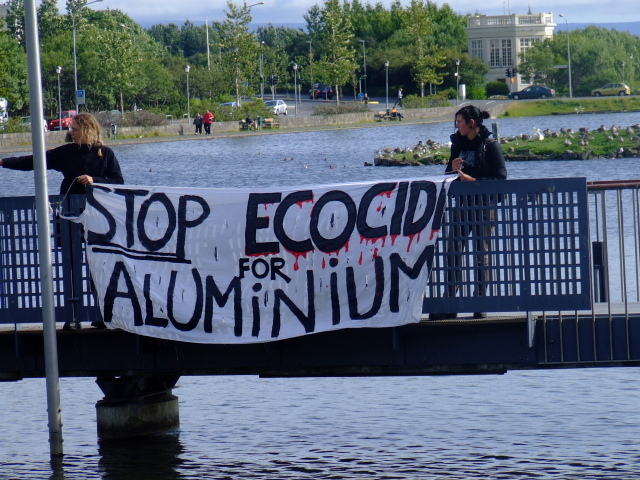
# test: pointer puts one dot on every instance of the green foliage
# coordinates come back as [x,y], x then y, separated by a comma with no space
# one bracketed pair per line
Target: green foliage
[338,108]
[476,92]
[566,106]
[441,99]
[497,88]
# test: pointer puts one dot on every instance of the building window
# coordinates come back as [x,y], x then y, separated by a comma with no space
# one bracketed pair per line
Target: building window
[527,43]
[476,49]
[500,54]
[506,52]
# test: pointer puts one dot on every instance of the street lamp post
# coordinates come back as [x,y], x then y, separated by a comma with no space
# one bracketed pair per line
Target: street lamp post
[236,50]
[457,79]
[58,72]
[261,74]
[206,23]
[75,62]
[313,90]
[295,88]
[133,33]
[568,55]
[364,58]
[386,70]
[186,69]
[622,72]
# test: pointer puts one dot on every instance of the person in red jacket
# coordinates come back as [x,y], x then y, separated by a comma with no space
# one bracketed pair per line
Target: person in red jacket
[208,120]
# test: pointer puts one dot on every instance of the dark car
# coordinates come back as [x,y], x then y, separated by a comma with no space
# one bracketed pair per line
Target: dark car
[534,91]
[321,91]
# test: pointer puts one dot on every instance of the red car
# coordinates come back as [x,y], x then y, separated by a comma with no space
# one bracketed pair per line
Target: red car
[54,124]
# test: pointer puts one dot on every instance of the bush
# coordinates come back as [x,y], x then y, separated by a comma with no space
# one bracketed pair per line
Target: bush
[141,118]
[337,109]
[440,99]
[13,125]
[497,88]
[477,92]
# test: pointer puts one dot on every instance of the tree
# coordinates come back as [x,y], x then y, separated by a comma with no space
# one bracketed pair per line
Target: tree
[336,33]
[13,73]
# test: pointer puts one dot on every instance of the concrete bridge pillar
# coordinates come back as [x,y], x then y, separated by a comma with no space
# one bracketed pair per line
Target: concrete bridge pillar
[136,406]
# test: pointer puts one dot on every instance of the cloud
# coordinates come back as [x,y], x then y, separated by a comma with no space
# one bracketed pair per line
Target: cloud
[149,12]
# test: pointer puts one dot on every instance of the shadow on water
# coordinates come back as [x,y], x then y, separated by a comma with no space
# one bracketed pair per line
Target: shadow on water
[146,458]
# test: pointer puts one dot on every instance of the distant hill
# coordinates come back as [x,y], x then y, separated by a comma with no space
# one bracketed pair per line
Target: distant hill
[631,27]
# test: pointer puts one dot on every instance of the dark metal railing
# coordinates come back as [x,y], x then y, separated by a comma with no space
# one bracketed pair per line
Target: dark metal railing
[505,246]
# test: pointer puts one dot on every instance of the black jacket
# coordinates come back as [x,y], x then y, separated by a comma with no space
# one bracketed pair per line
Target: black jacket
[73,160]
[489,160]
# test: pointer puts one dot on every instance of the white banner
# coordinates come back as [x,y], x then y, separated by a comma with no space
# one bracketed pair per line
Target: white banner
[245,265]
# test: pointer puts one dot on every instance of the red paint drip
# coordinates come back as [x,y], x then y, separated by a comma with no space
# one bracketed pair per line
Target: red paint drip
[360,259]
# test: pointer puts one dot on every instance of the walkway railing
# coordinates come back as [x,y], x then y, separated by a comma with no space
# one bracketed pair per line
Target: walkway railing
[544,246]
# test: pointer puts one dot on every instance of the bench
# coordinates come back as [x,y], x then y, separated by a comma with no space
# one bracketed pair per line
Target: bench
[270,123]
[382,116]
[245,126]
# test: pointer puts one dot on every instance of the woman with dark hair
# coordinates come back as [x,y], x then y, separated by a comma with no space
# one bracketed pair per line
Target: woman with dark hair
[475,156]
[83,162]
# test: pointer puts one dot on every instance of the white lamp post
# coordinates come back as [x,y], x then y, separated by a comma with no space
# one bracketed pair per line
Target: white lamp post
[206,23]
[75,62]
[295,88]
[313,90]
[186,69]
[261,74]
[58,72]
[568,56]
[364,57]
[386,69]
[457,79]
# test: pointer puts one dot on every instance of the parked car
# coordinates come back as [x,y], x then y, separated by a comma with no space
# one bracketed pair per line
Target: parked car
[612,89]
[26,122]
[533,91]
[320,90]
[276,106]
[67,115]
[229,104]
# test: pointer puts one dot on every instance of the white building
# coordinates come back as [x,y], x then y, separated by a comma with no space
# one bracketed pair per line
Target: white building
[497,41]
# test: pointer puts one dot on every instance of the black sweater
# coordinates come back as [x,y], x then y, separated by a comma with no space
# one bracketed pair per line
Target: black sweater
[72,161]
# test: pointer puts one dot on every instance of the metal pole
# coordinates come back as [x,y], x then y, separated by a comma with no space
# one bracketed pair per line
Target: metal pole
[295,88]
[457,79]
[364,56]
[313,90]
[568,56]
[44,231]
[58,72]
[261,74]
[75,65]
[206,22]
[386,68]
[186,69]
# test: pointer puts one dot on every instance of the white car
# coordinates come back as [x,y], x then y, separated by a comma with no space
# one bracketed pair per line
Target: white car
[26,122]
[276,106]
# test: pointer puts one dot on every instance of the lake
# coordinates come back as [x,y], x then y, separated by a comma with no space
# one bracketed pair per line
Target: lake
[560,424]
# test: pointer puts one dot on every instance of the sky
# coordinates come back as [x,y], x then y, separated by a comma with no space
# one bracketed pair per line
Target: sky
[150,12]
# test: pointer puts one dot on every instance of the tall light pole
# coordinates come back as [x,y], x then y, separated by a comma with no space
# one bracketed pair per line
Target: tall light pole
[186,69]
[386,71]
[261,74]
[364,57]
[206,24]
[75,62]
[568,56]
[58,72]
[295,88]
[457,79]
[622,72]
[313,90]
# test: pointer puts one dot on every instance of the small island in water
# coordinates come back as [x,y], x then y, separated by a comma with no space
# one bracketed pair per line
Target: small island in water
[566,144]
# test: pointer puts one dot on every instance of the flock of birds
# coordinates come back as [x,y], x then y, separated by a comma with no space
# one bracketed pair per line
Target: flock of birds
[581,137]
[421,151]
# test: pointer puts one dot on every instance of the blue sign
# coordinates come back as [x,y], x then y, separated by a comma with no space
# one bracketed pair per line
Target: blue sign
[360,96]
[80,97]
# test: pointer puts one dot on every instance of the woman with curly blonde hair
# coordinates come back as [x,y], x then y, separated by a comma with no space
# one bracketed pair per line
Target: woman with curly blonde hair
[83,162]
